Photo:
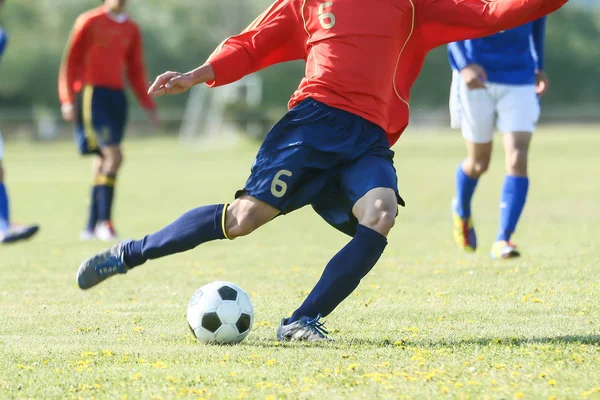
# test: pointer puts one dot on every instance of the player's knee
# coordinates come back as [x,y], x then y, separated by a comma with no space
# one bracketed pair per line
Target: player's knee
[112,160]
[245,215]
[241,223]
[516,162]
[480,166]
[381,216]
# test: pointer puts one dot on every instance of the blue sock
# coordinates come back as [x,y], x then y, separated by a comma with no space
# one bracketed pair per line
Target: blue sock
[105,195]
[514,194]
[465,187]
[4,210]
[197,226]
[343,273]
[93,218]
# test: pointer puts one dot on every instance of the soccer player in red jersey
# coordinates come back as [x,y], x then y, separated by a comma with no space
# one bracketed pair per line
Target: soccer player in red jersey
[332,150]
[104,44]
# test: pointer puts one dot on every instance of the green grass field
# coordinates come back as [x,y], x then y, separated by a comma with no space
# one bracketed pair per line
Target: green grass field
[428,322]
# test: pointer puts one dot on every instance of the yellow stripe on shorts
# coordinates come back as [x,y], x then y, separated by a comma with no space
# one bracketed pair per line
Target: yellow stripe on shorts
[88,125]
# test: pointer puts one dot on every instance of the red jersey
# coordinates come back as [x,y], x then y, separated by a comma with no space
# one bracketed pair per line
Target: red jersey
[364,56]
[101,48]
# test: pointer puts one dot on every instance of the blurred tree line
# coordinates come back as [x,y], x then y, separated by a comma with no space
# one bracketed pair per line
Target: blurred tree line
[180,34]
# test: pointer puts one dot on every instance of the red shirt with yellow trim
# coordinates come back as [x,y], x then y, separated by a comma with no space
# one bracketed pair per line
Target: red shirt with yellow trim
[101,48]
[364,56]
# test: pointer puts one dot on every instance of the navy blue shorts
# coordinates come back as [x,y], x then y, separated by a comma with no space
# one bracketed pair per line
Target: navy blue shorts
[101,119]
[325,157]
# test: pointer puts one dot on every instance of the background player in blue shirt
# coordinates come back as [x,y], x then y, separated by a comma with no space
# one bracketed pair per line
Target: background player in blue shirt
[496,83]
[8,233]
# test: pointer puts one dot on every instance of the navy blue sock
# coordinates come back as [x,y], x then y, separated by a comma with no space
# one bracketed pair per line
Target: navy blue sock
[105,196]
[465,187]
[4,209]
[197,226]
[514,194]
[343,273]
[93,218]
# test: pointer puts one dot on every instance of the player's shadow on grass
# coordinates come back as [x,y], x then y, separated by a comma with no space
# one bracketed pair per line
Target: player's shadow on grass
[593,340]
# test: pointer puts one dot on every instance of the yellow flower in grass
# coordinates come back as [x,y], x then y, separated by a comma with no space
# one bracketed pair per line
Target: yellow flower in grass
[271,397]
[551,382]
[159,365]
[444,390]
[264,385]
[353,366]
[135,376]
[107,353]
[271,362]
[519,395]
[458,385]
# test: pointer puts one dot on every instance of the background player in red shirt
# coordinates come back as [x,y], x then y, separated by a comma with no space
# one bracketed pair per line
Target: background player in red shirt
[332,150]
[104,44]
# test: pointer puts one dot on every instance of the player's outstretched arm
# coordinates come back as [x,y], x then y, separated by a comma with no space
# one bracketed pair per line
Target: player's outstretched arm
[444,21]
[276,36]
[177,82]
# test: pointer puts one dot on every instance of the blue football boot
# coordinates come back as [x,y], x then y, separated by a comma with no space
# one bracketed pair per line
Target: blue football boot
[18,233]
[101,266]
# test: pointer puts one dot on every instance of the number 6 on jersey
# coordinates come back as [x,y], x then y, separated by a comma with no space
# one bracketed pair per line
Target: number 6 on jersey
[279,187]
[326,19]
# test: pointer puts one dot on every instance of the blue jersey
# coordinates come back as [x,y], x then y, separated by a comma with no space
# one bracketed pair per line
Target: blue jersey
[3,41]
[510,57]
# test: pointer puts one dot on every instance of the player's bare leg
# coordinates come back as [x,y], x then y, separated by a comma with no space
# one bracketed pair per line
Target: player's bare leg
[197,226]
[514,192]
[89,231]
[467,175]
[376,212]
[246,214]
[111,161]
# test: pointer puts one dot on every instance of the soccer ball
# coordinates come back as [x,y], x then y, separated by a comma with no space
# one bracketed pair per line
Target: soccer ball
[220,312]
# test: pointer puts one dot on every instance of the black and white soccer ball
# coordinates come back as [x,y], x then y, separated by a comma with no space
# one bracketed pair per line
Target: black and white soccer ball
[220,312]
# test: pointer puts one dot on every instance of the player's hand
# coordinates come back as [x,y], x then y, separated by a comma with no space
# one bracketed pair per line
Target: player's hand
[68,112]
[474,76]
[154,119]
[171,83]
[541,83]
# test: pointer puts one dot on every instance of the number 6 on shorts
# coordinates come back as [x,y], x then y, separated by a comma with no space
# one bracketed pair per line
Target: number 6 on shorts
[279,187]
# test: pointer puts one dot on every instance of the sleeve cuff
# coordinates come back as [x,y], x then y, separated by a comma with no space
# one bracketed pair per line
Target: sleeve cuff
[229,64]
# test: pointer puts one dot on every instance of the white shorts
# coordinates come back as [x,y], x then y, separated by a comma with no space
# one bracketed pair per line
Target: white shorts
[510,108]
